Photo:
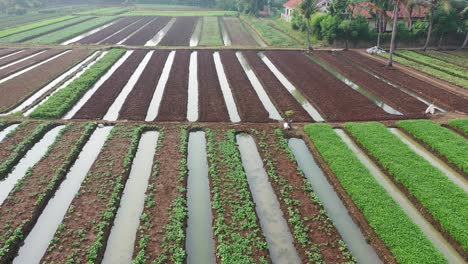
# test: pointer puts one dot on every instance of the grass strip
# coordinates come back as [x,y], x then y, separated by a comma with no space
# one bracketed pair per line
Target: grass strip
[447,57]
[445,201]
[460,123]
[269,34]
[180,13]
[440,139]
[210,35]
[15,30]
[63,100]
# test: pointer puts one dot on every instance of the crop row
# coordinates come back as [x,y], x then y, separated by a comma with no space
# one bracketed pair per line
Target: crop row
[269,34]
[15,30]
[448,57]
[446,203]
[442,140]
[460,124]
[210,34]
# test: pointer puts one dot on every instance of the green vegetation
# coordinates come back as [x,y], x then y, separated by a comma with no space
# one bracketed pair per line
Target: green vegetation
[211,34]
[460,123]
[15,30]
[73,31]
[269,34]
[444,200]
[447,56]
[27,35]
[403,237]
[107,11]
[62,101]
[180,13]
[440,139]
[7,22]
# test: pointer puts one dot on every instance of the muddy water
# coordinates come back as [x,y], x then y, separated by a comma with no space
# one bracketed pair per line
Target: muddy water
[96,86]
[21,60]
[12,54]
[113,111]
[200,245]
[192,103]
[38,240]
[454,176]
[118,31]
[196,33]
[336,210]
[431,233]
[32,67]
[89,33]
[226,89]
[122,237]
[292,90]
[153,108]
[258,87]
[51,85]
[160,35]
[224,33]
[32,157]
[376,100]
[136,31]
[274,226]
[7,131]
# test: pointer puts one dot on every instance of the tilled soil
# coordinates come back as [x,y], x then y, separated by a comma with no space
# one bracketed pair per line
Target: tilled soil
[138,101]
[6,51]
[238,35]
[97,106]
[247,101]
[104,33]
[89,205]
[426,90]
[174,101]
[148,32]
[180,32]
[8,145]
[29,62]
[126,32]
[21,87]
[212,107]
[332,98]
[282,99]
[18,56]
[387,93]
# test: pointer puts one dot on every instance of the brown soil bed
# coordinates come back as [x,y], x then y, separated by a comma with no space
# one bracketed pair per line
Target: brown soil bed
[180,32]
[8,145]
[426,90]
[18,56]
[126,32]
[29,62]
[138,101]
[332,98]
[212,107]
[387,93]
[173,105]
[6,51]
[19,209]
[282,99]
[106,32]
[91,202]
[247,101]
[97,106]
[24,85]
[148,32]
[238,35]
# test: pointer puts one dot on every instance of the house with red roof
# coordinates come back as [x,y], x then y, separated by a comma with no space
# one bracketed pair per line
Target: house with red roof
[291,5]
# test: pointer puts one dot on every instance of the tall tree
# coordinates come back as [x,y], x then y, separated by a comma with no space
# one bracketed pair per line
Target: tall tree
[308,8]
[394,32]
[379,9]
[433,5]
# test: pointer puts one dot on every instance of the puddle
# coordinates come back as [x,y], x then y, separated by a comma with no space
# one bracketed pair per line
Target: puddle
[376,100]
[431,233]
[351,233]
[258,87]
[153,108]
[36,243]
[113,111]
[160,35]
[32,67]
[12,54]
[33,156]
[89,33]
[22,59]
[224,33]
[51,85]
[454,176]
[199,244]
[274,226]
[7,131]
[192,103]
[313,113]
[118,31]
[225,89]
[196,33]
[96,86]
[123,233]
[136,31]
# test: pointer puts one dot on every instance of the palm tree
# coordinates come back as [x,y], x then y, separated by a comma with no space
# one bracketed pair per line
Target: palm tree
[432,5]
[379,8]
[394,31]
[307,9]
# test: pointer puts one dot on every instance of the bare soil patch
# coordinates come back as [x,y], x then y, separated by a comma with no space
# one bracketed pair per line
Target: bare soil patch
[148,32]
[18,56]
[29,62]
[180,32]
[104,33]
[237,33]
[126,32]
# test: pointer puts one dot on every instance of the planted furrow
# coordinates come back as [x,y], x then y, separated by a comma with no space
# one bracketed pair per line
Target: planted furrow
[173,105]
[86,226]
[97,106]
[24,64]
[18,56]
[460,125]
[180,33]
[141,37]
[21,209]
[126,32]
[106,32]
[238,35]
[6,130]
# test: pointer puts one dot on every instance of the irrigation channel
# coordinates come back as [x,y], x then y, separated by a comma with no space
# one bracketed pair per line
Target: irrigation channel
[196,33]
[224,32]
[160,35]
[136,31]
[226,89]
[122,237]
[400,198]
[36,243]
[118,31]
[274,226]
[313,113]
[89,33]
[33,156]
[192,102]
[7,131]
[21,60]
[336,210]
[454,176]
[12,54]
[199,244]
